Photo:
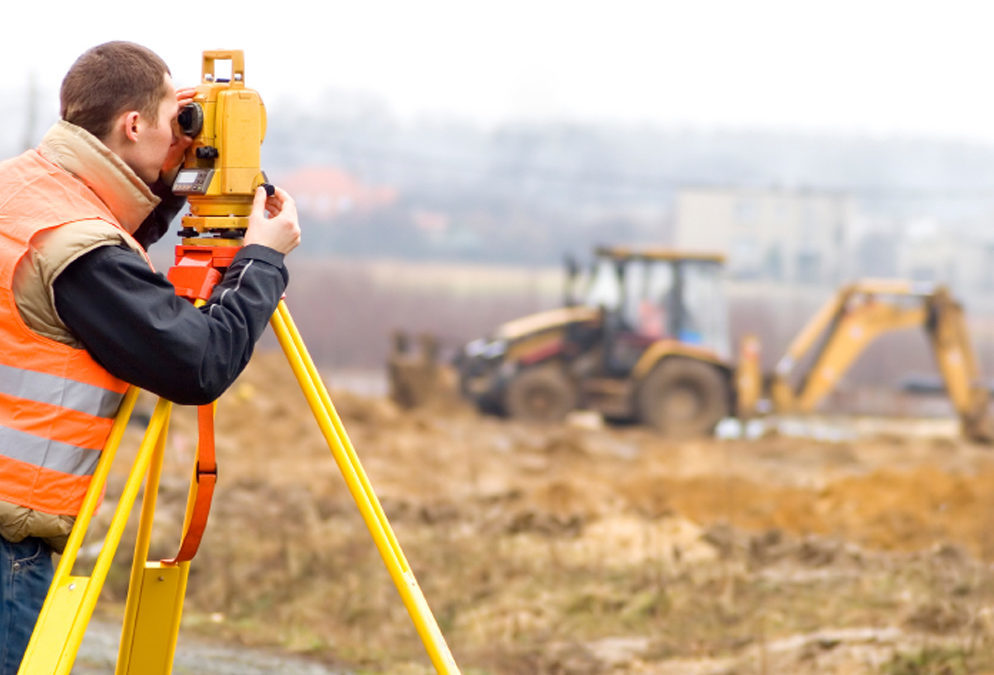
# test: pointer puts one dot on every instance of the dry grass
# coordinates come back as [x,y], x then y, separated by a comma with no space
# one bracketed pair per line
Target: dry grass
[585,550]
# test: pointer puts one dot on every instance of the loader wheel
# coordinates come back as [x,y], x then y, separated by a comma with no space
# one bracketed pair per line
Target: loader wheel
[542,394]
[683,398]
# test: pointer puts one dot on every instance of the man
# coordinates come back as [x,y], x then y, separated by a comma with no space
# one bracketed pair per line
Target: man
[82,313]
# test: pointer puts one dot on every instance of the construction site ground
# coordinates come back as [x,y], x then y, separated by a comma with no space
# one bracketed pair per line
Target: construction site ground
[580,548]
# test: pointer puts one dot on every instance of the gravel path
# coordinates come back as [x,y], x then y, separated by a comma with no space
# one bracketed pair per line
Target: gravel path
[98,655]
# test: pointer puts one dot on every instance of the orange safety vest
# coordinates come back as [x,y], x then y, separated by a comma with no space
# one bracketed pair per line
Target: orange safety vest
[57,404]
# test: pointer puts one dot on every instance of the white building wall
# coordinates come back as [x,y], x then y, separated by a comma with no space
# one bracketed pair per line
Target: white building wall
[960,263]
[789,235]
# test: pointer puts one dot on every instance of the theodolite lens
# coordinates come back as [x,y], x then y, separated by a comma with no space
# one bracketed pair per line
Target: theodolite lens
[191,119]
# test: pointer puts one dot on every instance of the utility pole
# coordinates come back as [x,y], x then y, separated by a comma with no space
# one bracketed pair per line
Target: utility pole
[29,141]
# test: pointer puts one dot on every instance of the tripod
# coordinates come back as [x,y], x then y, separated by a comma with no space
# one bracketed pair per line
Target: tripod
[156,590]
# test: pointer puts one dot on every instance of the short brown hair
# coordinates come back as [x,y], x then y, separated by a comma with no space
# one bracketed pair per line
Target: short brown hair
[110,79]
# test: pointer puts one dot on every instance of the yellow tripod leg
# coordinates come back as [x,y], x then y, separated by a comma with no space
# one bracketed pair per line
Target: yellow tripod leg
[155,594]
[71,599]
[361,490]
[148,640]
[156,591]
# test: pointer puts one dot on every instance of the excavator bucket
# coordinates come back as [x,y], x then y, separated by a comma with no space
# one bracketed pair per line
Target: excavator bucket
[416,375]
[979,427]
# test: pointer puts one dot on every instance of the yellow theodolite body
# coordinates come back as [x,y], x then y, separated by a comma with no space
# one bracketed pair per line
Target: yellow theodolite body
[221,171]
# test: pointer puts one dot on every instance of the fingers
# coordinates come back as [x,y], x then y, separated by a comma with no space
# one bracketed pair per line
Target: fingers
[175,154]
[185,95]
[273,205]
[273,221]
[276,203]
[259,199]
[182,141]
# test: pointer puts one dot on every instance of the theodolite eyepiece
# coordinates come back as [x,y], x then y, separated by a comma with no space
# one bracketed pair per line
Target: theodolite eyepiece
[191,119]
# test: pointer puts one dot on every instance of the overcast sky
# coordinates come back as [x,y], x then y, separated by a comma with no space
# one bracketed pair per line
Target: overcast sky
[880,68]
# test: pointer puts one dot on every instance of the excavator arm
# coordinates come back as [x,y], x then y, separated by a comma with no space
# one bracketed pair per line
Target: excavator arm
[859,314]
[958,364]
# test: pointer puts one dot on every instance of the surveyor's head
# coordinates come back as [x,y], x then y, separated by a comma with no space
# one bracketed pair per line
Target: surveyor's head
[123,94]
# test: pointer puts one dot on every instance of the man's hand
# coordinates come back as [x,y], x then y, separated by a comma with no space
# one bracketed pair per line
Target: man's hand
[273,221]
[181,142]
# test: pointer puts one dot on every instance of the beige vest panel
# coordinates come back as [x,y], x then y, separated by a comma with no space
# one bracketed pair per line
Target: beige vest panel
[51,252]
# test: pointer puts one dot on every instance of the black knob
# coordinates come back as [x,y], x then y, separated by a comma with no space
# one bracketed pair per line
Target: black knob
[207,152]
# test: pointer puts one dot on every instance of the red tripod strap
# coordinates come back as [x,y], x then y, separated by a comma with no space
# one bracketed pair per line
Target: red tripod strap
[199,506]
[196,272]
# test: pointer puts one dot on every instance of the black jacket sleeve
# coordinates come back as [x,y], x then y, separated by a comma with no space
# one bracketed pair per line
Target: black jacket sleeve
[131,321]
[157,222]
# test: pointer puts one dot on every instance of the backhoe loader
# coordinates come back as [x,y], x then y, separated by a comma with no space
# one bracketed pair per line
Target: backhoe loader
[649,342]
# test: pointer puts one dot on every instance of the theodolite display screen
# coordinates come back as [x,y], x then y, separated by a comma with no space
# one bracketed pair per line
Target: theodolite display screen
[192,181]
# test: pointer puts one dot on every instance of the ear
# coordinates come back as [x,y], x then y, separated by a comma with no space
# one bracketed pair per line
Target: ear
[130,124]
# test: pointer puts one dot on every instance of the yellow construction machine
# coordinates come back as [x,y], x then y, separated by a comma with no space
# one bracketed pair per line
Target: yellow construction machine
[649,342]
[841,330]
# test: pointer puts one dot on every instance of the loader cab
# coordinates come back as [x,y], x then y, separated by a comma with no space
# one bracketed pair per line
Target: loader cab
[658,294]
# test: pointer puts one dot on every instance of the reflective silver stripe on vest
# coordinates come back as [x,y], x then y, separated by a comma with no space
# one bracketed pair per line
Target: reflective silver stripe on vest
[47,453]
[54,390]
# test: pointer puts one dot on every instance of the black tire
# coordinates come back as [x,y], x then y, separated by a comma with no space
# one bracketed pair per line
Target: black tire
[540,394]
[683,398]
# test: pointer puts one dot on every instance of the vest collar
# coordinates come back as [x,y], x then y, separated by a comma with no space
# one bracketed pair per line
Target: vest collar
[82,154]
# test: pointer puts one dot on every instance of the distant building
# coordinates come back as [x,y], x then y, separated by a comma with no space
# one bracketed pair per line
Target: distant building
[876,253]
[790,235]
[324,193]
[930,253]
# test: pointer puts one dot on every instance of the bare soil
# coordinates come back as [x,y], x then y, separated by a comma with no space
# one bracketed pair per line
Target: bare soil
[584,549]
